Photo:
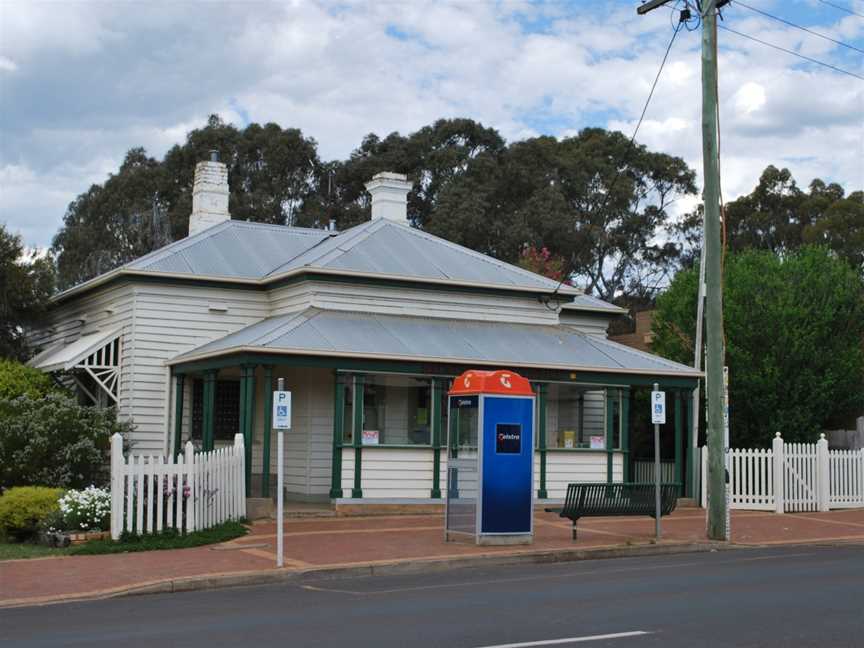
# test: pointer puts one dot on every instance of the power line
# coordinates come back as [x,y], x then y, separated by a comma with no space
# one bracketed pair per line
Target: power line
[796,26]
[793,53]
[626,158]
[836,6]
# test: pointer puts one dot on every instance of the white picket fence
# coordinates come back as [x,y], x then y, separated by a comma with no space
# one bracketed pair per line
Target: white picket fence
[846,476]
[793,477]
[643,471]
[150,493]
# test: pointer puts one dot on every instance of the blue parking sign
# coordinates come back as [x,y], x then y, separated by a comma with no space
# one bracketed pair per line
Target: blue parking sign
[282,410]
[658,407]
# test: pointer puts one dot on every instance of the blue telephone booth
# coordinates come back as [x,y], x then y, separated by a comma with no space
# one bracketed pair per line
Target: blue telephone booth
[490,469]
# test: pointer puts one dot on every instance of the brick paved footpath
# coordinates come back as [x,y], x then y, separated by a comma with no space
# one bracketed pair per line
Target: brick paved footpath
[355,541]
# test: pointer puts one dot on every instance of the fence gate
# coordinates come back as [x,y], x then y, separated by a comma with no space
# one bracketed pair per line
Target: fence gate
[801,476]
[792,477]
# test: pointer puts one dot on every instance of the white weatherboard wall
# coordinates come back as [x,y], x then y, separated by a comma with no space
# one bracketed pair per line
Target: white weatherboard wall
[396,472]
[409,301]
[564,467]
[170,320]
[406,473]
[103,310]
[308,444]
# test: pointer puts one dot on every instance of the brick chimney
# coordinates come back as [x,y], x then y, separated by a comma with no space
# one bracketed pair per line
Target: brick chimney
[389,196]
[209,195]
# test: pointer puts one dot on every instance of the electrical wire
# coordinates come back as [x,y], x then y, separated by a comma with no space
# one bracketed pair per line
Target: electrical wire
[796,26]
[836,6]
[792,52]
[569,268]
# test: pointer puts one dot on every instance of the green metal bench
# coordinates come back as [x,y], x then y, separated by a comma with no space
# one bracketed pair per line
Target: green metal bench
[602,500]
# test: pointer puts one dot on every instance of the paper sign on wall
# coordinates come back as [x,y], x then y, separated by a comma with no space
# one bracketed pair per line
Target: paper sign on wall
[370,437]
[658,407]
[282,410]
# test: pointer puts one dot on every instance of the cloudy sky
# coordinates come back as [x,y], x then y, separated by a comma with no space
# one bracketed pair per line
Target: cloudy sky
[80,83]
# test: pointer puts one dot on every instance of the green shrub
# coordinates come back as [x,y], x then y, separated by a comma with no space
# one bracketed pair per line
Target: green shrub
[22,509]
[54,441]
[17,379]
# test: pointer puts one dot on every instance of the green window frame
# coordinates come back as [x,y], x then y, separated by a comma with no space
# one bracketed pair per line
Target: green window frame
[226,410]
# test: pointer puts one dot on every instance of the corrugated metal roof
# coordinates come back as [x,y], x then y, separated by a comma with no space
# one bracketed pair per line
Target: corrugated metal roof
[388,248]
[587,302]
[234,249]
[64,357]
[322,332]
[257,252]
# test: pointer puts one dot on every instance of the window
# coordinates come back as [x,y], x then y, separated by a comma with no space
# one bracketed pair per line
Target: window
[564,417]
[226,410]
[348,409]
[615,395]
[575,417]
[396,410]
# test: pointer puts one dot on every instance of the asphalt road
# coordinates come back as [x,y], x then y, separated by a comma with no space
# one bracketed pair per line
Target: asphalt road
[812,596]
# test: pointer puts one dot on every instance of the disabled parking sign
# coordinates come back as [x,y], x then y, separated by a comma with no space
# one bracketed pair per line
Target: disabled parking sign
[282,410]
[658,407]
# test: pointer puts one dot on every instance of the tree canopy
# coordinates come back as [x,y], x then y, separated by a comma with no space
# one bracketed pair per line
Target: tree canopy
[779,216]
[794,330]
[592,199]
[26,283]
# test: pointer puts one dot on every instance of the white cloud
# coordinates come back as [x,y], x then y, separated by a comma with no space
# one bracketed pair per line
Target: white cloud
[750,97]
[7,64]
[93,80]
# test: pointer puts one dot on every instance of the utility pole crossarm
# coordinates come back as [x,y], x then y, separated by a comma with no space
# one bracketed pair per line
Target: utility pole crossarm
[651,5]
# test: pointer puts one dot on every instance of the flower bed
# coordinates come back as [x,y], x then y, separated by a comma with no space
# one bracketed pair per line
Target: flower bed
[86,510]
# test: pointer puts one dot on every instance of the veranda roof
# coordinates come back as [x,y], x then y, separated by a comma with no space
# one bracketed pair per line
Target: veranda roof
[63,357]
[428,339]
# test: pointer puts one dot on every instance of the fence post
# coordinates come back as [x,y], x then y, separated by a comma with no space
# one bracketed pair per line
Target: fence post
[703,477]
[823,477]
[189,470]
[238,474]
[117,479]
[779,472]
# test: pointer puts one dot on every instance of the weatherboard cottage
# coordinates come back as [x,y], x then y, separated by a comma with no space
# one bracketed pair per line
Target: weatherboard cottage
[368,327]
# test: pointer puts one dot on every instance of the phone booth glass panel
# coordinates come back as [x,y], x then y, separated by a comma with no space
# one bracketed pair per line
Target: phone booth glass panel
[462,465]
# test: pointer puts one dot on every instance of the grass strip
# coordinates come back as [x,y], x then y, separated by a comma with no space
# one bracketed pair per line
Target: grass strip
[21,550]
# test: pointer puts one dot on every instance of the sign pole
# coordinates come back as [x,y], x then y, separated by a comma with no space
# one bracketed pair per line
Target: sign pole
[727,457]
[281,421]
[658,416]
[280,484]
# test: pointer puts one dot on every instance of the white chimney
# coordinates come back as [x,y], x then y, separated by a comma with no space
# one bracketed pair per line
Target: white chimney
[389,196]
[209,195]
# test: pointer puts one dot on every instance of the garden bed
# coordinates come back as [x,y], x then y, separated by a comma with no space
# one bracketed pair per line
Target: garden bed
[129,543]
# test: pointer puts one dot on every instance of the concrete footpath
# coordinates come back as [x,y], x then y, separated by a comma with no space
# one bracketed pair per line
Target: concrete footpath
[340,546]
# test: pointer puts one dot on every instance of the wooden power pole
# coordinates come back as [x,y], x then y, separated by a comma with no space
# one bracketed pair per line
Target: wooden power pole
[713,279]
[711,256]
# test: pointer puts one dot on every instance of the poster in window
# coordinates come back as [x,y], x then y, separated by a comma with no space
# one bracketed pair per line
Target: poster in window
[598,442]
[370,437]
[508,438]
